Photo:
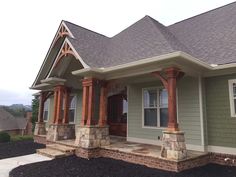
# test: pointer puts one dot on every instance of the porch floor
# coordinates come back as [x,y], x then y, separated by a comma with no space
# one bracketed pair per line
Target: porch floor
[121,145]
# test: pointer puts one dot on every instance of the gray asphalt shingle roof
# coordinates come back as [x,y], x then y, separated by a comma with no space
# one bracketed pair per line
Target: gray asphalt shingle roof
[9,122]
[210,37]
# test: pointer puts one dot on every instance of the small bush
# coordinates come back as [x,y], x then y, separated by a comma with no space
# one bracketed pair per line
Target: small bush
[21,138]
[4,137]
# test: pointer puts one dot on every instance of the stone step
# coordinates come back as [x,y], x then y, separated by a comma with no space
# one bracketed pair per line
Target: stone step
[51,153]
[61,148]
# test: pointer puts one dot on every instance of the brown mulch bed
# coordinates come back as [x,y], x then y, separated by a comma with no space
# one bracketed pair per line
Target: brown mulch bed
[18,148]
[105,167]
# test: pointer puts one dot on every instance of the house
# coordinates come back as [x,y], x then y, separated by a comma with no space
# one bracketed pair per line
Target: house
[172,86]
[15,125]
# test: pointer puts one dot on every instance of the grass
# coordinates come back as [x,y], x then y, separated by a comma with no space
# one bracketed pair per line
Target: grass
[20,137]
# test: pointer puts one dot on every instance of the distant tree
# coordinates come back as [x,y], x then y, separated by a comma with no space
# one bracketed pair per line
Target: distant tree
[16,112]
[35,107]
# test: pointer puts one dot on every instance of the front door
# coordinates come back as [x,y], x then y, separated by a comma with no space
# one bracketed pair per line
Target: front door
[117,115]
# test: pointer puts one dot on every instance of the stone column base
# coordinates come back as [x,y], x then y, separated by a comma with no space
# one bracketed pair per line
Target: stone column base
[40,128]
[92,136]
[173,146]
[60,132]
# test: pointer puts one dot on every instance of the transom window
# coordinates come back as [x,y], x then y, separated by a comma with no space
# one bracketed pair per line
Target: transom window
[232,97]
[155,107]
[46,110]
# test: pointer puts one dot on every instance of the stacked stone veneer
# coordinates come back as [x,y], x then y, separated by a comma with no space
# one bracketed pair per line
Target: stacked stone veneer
[92,136]
[174,146]
[60,132]
[39,128]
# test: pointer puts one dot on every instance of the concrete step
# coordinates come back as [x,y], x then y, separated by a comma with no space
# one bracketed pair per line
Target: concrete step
[61,148]
[51,153]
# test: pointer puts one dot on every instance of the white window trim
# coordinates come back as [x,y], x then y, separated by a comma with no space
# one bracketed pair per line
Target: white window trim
[158,109]
[49,102]
[231,97]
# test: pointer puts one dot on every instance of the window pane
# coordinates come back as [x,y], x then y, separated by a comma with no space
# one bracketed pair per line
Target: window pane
[150,117]
[71,115]
[163,98]
[150,98]
[163,117]
[73,102]
[234,89]
[235,106]
[45,115]
[46,105]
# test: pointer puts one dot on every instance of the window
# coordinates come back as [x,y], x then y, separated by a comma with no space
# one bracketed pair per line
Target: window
[155,107]
[46,110]
[72,109]
[232,97]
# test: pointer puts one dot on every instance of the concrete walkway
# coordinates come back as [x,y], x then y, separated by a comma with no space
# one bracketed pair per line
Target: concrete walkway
[6,165]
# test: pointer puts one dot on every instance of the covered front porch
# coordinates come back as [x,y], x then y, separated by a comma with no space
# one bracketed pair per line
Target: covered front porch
[151,125]
[139,153]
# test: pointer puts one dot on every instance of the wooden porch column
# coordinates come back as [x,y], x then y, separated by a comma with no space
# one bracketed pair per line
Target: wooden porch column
[59,101]
[84,103]
[55,104]
[66,105]
[41,107]
[172,75]
[88,101]
[103,105]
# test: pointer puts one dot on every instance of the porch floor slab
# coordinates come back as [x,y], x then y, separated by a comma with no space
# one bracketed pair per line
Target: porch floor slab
[120,144]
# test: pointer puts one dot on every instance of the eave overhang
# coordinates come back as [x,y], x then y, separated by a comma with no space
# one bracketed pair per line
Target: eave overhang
[179,59]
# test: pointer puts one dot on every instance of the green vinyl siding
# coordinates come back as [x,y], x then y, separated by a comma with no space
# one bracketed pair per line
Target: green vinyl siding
[220,125]
[188,111]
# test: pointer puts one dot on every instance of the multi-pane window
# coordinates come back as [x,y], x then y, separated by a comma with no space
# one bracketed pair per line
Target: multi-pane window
[155,107]
[232,97]
[46,110]
[72,109]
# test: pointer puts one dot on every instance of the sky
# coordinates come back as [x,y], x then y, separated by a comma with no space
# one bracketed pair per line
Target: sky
[28,27]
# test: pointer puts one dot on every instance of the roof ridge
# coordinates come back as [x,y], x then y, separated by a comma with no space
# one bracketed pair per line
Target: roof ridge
[202,13]
[163,27]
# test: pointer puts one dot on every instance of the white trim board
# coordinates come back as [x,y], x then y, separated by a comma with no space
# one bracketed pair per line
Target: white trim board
[201,110]
[159,143]
[221,149]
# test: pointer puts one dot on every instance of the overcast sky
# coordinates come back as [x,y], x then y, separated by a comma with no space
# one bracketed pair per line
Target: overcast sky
[28,27]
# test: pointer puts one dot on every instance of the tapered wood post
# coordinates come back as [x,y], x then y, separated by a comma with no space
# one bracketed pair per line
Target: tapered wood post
[66,105]
[90,103]
[84,104]
[103,104]
[58,101]
[55,105]
[172,75]
[41,107]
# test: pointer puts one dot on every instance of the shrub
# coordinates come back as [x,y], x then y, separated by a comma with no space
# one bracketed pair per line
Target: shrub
[21,138]
[4,137]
